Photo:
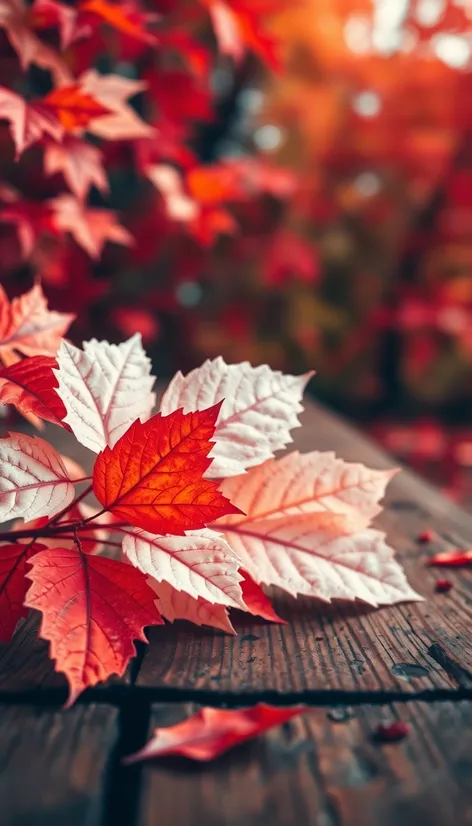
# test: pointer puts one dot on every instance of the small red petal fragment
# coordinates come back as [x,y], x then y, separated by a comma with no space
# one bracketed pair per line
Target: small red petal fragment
[451,558]
[426,536]
[443,586]
[392,732]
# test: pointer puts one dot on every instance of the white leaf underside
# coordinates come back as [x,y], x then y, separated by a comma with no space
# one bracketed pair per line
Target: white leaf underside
[260,408]
[105,388]
[201,564]
[308,483]
[177,605]
[33,479]
[299,556]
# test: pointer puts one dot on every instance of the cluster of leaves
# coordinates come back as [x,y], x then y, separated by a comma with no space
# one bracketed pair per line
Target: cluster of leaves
[100,108]
[204,514]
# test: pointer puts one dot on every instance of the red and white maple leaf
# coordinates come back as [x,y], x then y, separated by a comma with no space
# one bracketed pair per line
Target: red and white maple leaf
[113,91]
[73,107]
[79,162]
[46,14]
[90,228]
[177,605]
[105,388]
[212,731]
[33,479]
[13,584]
[125,17]
[200,563]
[306,537]
[28,327]
[93,609]
[29,48]
[153,476]
[260,408]
[30,385]
[29,122]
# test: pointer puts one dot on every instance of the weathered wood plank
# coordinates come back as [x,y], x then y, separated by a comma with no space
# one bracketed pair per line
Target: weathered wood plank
[314,771]
[52,764]
[343,648]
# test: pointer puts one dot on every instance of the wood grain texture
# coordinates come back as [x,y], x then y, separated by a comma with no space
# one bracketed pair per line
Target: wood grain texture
[346,648]
[316,772]
[52,764]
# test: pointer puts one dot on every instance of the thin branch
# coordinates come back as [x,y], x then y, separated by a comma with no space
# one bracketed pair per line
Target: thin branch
[71,505]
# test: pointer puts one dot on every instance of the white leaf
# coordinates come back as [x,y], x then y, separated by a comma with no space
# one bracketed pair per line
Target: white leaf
[33,479]
[303,528]
[105,388]
[297,555]
[175,605]
[201,564]
[261,407]
[308,483]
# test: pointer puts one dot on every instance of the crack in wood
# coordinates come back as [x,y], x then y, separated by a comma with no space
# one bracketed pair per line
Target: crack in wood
[137,697]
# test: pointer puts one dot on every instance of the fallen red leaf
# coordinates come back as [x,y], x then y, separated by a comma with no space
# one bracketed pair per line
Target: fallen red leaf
[93,608]
[451,558]
[153,476]
[211,731]
[426,536]
[443,586]
[392,732]
[30,386]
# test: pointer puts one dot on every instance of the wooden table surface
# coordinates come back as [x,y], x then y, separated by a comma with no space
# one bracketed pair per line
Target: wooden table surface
[412,661]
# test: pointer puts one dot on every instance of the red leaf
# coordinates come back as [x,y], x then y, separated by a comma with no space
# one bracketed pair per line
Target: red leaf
[30,386]
[90,228]
[426,536]
[392,732]
[93,608]
[212,731]
[14,18]
[256,601]
[28,327]
[29,122]
[13,585]
[79,162]
[153,476]
[451,559]
[239,26]
[46,14]
[123,17]
[73,107]
[443,586]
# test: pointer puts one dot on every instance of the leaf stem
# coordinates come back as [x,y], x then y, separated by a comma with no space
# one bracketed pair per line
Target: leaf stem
[71,505]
